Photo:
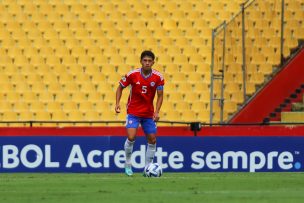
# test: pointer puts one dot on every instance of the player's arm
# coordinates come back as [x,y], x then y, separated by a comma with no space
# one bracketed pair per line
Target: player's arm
[159,102]
[118,97]
[124,82]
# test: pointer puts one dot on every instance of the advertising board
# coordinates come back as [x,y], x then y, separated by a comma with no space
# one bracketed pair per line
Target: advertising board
[91,154]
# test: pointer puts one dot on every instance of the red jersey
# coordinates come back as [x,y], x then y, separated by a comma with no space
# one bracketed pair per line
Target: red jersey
[143,89]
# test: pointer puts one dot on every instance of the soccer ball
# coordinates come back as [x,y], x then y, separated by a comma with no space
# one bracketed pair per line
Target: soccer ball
[153,170]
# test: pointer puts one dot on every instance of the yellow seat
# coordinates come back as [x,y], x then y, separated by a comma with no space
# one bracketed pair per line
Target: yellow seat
[84,60]
[87,87]
[65,77]
[159,33]
[170,68]
[102,105]
[13,96]
[230,106]
[176,96]
[37,87]
[292,117]
[52,60]
[25,116]
[99,79]
[124,51]
[29,96]
[6,87]
[110,96]
[53,87]
[92,116]
[179,77]
[172,116]
[70,87]
[204,116]
[167,106]
[6,106]
[183,87]
[194,77]
[237,97]
[92,69]
[103,86]
[59,116]
[9,116]
[86,106]
[182,106]
[42,116]
[169,24]
[69,106]
[20,60]
[146,14]
[94,96]
[198,59]
[178,14]
[192,96]
[164,59]
[75,116]
[100,59]
[198,106]
[36,106]
[188,116]
[114,77]
[82,77]
[78,96]
[188,68]
[180,59]
[108,116]
[132,60]
[54,106]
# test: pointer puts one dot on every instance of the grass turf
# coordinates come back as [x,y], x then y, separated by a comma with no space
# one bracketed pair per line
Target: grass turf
[172,187]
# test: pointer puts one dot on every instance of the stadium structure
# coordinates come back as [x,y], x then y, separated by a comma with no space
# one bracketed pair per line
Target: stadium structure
[233,100]
[61,60]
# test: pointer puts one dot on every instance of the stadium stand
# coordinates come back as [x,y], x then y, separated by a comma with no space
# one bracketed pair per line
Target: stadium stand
[61,60]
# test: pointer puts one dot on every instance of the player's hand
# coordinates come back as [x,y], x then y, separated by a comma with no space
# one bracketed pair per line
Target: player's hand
[117,108]
[155,116]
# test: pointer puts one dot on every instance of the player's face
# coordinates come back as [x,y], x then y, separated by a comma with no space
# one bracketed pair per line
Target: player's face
[147,63]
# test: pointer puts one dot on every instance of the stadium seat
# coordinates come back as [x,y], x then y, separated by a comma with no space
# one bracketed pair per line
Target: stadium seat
[77,51]
[292,117]
[172,116]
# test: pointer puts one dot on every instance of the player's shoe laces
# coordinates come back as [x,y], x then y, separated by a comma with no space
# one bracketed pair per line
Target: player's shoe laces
[128,171]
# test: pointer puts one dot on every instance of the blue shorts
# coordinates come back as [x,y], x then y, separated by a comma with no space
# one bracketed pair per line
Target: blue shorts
[148,124]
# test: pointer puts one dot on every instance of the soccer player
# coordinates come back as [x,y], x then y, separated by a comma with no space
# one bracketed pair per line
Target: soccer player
[144,82]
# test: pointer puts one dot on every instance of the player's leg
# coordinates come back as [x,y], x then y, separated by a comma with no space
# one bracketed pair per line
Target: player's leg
[151,148]
[149,128]
[131,125]
[128,146]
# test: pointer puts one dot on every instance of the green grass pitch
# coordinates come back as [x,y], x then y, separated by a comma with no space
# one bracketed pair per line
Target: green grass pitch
[172,187]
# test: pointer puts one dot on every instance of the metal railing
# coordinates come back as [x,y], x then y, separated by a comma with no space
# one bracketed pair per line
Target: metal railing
[246,52]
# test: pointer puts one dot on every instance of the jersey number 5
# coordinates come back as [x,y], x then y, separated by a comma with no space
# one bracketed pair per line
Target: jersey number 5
[144,89]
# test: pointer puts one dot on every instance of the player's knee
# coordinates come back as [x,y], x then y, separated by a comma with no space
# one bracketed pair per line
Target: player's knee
[131,138]
[152,140]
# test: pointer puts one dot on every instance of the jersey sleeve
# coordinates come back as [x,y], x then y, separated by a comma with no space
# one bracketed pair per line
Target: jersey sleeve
[161,83]
[125,81]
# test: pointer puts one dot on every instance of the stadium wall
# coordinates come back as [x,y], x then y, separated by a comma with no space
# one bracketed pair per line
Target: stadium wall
[100,149]
[274,93]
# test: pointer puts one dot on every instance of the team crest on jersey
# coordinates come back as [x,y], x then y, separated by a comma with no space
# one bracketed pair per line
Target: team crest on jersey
[152,84]
[124,79]
[130,121]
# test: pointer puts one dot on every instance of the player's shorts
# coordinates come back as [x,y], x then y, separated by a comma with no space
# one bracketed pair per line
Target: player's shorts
[148,124]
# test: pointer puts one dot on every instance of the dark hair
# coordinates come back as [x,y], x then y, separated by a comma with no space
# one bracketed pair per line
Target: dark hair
[147,53]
